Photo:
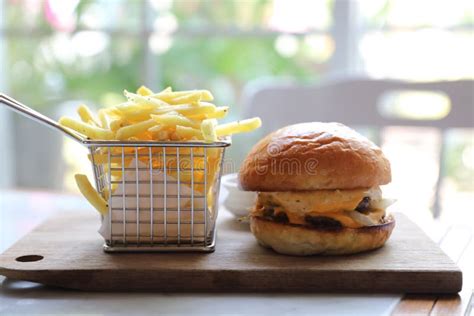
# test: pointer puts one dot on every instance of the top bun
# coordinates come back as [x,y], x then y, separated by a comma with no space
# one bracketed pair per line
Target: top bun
[314,156]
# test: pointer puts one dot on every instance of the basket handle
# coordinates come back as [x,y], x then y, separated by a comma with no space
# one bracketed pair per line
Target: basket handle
[38,117]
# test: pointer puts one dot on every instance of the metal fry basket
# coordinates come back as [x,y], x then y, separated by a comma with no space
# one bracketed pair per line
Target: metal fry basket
[162,196]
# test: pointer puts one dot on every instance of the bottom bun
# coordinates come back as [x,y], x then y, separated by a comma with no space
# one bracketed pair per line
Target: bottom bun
[299,240]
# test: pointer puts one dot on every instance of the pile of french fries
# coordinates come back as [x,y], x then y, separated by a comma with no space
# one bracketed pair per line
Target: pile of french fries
[173,116]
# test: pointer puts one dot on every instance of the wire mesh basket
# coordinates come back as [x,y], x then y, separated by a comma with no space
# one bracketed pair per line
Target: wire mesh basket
[162,196]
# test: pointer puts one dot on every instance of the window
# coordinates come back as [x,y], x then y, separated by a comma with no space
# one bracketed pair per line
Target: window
[417,40]
[57,54]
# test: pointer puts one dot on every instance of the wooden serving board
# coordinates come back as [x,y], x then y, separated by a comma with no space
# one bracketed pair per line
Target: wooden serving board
[73,258]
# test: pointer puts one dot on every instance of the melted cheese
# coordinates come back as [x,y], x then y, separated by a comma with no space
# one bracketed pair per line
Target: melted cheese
[321,201]
[335,204]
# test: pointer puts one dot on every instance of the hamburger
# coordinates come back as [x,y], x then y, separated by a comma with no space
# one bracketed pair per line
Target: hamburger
[318,191]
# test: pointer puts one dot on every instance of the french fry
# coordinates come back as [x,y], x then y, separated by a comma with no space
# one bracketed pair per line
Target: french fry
[186,163]
[86,115]
[116,172]
[156,128]
[163,135]
[88,191]
[137,116]
[168,96]
[118,150]
[166,90]
[173,120]
[213,153]
[104,159]
[117,124]
[208,129]
[134,129]
[197,151]
[184,132]
[165,116]
[186,110]
[238,127]
[105,192]
[220,112]
[173,136]
[104,121]
[88,130]
[147,100]
[192,98]
[113,112]
[130,107]
[144,91]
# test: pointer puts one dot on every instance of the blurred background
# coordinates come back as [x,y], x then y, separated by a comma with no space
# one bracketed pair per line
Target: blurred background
[56,54]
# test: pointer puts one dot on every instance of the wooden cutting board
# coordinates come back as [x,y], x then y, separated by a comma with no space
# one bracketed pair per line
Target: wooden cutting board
[72,257]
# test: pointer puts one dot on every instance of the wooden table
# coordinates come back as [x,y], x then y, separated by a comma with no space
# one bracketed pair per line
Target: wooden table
[456,241]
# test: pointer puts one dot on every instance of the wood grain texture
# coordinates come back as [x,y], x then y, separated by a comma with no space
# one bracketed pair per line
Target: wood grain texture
[447,305]
[458,243]
[419,305]
[73,258]
[460,240]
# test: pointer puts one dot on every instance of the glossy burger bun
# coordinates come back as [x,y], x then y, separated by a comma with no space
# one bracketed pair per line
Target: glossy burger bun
[314,156]
[299,240]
